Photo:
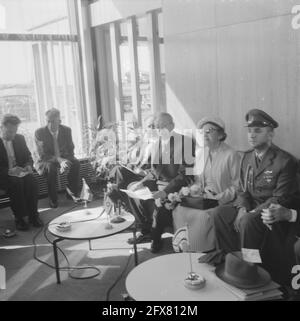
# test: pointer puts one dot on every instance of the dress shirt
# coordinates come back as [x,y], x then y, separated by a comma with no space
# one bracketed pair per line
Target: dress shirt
[10,153]
[294,216]
[56,147]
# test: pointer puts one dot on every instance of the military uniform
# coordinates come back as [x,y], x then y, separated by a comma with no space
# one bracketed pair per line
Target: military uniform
[271,179]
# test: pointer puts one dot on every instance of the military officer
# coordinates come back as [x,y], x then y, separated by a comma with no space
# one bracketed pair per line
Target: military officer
[267,178]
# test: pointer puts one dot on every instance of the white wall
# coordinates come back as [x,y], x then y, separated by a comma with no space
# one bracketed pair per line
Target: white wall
[104,11]
[225,57]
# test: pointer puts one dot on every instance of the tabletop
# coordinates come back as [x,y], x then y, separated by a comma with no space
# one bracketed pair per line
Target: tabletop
[88,224]
[162,279]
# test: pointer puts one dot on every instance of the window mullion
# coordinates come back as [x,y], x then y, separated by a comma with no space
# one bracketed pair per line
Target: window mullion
[54,75]
[134,70]
[66,107]
[155,70]
[38,82]
[116,66]
[46,72]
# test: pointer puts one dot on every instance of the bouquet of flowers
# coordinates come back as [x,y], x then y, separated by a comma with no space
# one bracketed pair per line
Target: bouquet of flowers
[110,146]
[174,199]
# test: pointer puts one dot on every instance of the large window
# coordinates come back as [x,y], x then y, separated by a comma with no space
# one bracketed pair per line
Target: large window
[36,17]
[39,65]
[134,64]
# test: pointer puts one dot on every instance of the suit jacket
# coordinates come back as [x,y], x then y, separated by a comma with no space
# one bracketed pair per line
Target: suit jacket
[272,181]
[22,154]
[182,153]
[45,144]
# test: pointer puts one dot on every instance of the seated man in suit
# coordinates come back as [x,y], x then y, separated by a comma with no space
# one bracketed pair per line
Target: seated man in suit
[169,162]
[56,152]
[137,166]
[290,245]
[16,176]
[267,177]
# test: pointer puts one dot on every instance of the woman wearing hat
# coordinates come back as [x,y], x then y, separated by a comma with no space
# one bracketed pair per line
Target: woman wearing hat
[217,181]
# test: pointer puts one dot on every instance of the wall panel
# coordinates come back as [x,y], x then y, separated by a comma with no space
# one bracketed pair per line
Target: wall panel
[247,58]
[192,84]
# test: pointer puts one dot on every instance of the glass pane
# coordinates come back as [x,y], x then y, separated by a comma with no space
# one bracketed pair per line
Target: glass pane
[35,16]
[123,29]
[142,24]
[144,79]
[126,99]
[163,74]
[17,90]
[160,25]
[25,89]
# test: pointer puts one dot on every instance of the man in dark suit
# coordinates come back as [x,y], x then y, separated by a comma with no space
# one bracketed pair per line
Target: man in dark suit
[171,156]
[56,152]
[268,178]
[16,176]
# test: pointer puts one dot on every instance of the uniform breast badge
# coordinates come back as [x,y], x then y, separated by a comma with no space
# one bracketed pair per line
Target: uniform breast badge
[268,176]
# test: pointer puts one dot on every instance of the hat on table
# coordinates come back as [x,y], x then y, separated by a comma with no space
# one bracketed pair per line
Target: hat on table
[240,273]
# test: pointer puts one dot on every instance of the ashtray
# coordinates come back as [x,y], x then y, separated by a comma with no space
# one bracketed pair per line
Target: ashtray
[9,233]
[118,219]
[63,226]
[194,281]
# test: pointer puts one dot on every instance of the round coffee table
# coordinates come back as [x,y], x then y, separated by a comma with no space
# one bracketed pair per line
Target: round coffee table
[87,224]
[162,279]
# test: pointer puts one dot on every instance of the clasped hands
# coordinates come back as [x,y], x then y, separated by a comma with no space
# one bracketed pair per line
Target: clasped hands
[64,164]
[274,213]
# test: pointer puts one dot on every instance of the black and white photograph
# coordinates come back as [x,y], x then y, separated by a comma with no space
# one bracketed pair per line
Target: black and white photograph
[149,153]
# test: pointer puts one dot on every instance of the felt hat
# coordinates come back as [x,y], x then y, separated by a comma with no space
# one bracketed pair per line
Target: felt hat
[240,273]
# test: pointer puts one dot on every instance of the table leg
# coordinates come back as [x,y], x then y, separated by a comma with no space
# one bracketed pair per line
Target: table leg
[56,261]
[135,248]
[90,245]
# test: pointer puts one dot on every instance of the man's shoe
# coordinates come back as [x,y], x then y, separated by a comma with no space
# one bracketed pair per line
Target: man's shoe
[141,238]
[21,225]
[53,204]
[156,246]
[9,233]
[36,221]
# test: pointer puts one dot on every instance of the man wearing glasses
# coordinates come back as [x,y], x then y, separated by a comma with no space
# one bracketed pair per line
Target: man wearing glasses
[267,178]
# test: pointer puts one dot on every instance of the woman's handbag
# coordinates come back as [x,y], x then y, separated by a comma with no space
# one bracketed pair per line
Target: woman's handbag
[199,202]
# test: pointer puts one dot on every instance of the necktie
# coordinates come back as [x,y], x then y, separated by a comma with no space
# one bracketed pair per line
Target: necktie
[10,154]
[258,158]
[160,151]
[56,147]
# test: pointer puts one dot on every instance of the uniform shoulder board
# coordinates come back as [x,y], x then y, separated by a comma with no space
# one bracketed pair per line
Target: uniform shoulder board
[244,152]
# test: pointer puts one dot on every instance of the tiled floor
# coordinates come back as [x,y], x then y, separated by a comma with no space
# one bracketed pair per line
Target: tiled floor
[27,279]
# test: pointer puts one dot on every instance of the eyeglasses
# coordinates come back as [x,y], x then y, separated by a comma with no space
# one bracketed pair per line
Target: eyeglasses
[209,130]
